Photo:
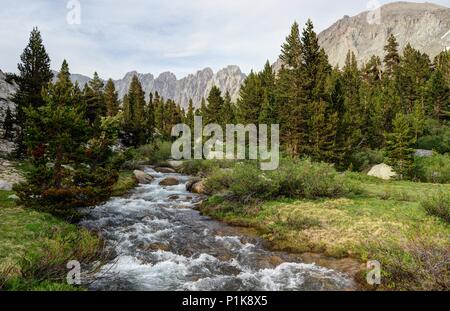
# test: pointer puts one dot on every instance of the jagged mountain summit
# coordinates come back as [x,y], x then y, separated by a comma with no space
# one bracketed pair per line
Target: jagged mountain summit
[425,26]
[194,86]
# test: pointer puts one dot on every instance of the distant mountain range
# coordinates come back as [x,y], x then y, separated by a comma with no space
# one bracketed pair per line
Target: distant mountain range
[194,86]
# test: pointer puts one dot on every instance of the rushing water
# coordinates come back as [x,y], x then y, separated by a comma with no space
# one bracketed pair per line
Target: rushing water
[162,243]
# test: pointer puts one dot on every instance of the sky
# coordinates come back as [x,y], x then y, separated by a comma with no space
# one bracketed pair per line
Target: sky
[114,37]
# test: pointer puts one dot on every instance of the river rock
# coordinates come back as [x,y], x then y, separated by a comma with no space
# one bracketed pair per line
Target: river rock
[142,177]
[5,185]
[191,182]
[169,181]
[199,187]
[175,164]
[167,170]
[423,153]
[156,247]
[174,197]
[382,171]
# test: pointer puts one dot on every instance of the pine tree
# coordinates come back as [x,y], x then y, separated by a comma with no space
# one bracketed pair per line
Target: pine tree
[190,114]
[66,168]
[212,113]
[268,112]
[250,100]
[291,49]
[438,88]
[135,118]
[150,118]
[95,100]
[413,73]
[56,129]
[158,103]
[392,58]
[8,124]
[322,134]
[350,130]
[417,120]
[202,110]
[399,146]
[227,111]
[111,99]
[34,74]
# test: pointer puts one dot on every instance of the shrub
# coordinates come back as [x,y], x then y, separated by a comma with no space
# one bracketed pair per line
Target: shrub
[436,137]
[363,160]
[438,205]
[204,167]
[157,152]
[293,178]
[435,169]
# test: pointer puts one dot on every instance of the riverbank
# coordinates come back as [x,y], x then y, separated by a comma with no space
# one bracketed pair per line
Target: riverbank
[36,246]
[381,220]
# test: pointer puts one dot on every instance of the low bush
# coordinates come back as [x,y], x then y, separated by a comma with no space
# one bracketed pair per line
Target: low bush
[438,205]
[364,159]
[155,153]
[436,137]
[293,178]
[435,169]
[205,167]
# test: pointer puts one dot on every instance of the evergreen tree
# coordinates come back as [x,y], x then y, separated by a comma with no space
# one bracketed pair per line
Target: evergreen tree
[8,124]
[392,58]
[350,129]
[268,112]
[135,123]
[190,114]
[227,111]
[95,100]
[291,49]
[399,146]
[66,170]
[158,104]
[150,118]
[322,134]
[250,100]
[417,120]
[413,74]
[202,110]
[438,88]
[111,99]
[212,113]
[34,74]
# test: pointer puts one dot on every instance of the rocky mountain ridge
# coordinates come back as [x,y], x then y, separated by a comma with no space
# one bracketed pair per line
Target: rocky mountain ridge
[425,26]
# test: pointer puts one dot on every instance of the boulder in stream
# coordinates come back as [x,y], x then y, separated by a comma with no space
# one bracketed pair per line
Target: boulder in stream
[199,187]
[142,177]
[169,181]
[192,181]
[166,170]
[175,164]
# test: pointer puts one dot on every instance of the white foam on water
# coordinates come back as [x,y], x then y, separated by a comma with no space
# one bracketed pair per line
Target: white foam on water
[149,215]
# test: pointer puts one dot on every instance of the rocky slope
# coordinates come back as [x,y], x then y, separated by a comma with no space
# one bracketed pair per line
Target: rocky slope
[7,90]
[425,25]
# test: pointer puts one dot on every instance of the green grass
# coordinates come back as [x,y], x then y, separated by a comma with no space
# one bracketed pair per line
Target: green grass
[125,182]
[383,222]
[35,247]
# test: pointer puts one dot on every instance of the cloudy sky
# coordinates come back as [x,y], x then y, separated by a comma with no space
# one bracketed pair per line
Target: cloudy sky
[117,36]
